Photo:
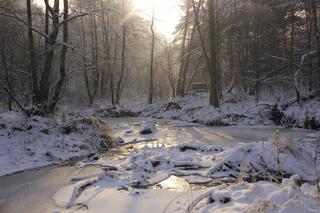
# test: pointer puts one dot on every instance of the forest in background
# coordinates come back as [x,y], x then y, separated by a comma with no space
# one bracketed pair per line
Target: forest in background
[100,108]
[77,51]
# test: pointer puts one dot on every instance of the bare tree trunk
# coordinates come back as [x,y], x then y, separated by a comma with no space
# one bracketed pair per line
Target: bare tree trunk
[173,87]
[107,67]
[187,62]
[214,75]
[58,87]
[7,90]
[8,73]
[212,58]
[232,68]
[168,50]
[183,51]
[46,27]
[151,60]
[195,71]
[171,80]
[85,70]
[96,72]
[314,7]
[292,37]
[123,55]
[218,53]
[33,64]
[115,54]
[10,82]
[298,96]
[44,88]
[256,45]
[309,42]
[232,58]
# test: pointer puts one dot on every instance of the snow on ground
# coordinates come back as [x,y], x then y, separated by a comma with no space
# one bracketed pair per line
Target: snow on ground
[261,160]
[141,181]
[149,166]
[28,143]
[287,197]
[111,196]
[121,188]
[298,114]
[148,127]
[131,134]
[124,185]
[233,111]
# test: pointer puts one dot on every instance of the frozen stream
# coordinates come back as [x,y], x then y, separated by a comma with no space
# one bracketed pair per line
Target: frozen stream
[32,191]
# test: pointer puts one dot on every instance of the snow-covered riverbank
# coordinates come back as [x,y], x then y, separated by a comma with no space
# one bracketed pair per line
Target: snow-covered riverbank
[28,143]
[170,161]
[232,112]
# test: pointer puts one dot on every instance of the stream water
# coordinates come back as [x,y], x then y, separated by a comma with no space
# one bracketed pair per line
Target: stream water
[32,191]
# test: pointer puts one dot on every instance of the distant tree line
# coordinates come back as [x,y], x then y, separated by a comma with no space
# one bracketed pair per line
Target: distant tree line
[251,46]
[84,50]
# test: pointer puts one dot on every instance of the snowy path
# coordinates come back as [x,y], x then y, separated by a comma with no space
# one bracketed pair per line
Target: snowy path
[32,191]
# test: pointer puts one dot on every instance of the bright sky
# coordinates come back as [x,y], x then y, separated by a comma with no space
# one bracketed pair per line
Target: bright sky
[167,13]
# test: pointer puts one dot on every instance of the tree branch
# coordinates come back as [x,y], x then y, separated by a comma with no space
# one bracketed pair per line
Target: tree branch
[14,16]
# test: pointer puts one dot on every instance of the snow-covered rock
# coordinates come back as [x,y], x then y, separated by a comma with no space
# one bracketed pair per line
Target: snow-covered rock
[147,127]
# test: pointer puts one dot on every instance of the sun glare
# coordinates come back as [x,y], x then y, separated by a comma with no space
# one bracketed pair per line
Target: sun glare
[167,13]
